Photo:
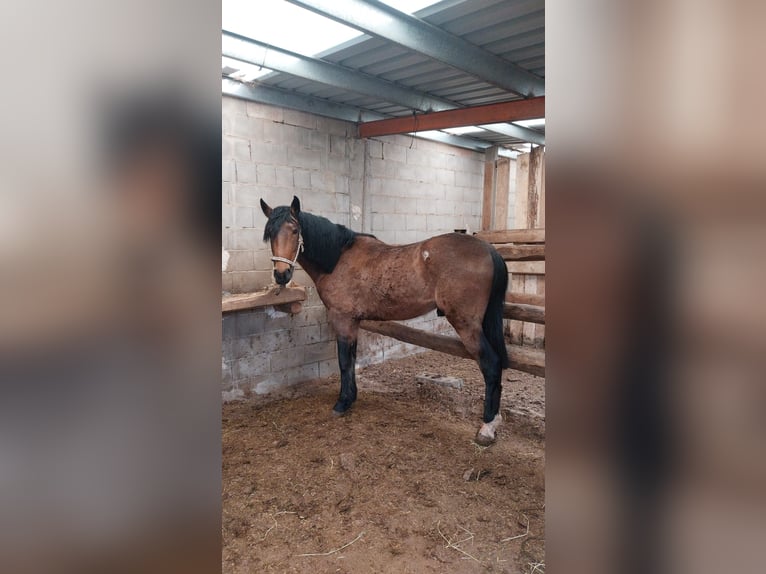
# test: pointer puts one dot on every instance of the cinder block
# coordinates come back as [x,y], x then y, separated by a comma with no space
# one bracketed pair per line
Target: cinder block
[227,216]
[244,239]
[286,358]
[415,222]
[319,140]
[466,179]
[249,323]
[375,149]
[243,217]
[453,193]
[270,341]
[228,171]
[445,176]
[416,157]
[296,118]
[425,206]
[262,258]
[406,205]
[248,281]
[243,126]
[273,132]
[246,194]
[338,163]
[301,178]
[235,148]
[303,373]
[394,222]
[321,351]
[338,145]
[229,326]
[378,168]
[227,282]
[284,176]
[393,152]
[269,153]
[320,180]
[251,366]
[245,171]
[303,158]
[328,368]
[306,335]
[232,106]
[335,127]
[265,111]
[266,174]
[240,261]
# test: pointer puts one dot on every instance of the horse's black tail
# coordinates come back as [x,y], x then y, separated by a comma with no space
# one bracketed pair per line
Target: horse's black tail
[492,325]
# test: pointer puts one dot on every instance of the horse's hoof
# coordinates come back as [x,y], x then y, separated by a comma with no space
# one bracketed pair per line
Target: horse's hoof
[340,409]
[483,440]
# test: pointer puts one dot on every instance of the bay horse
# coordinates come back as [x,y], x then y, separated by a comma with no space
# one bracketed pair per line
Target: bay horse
[359,277]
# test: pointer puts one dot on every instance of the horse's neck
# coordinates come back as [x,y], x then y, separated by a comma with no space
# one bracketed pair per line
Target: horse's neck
[310,267]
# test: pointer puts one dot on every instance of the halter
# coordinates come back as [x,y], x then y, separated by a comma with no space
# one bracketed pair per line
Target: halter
[274,259]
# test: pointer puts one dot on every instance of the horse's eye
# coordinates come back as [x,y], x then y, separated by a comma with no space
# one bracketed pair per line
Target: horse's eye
[295,232]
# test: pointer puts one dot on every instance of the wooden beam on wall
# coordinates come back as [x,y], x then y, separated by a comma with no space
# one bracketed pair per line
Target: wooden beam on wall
[513,236]
[502,189]
[475,115]
[488,193]
[521,358]
[267,298]
[511,252]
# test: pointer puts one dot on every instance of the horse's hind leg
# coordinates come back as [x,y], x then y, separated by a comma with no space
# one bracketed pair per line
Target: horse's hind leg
[491,369]
[347,330]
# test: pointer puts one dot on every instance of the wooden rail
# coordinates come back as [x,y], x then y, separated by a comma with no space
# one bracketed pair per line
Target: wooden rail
[524,359]
[288,298]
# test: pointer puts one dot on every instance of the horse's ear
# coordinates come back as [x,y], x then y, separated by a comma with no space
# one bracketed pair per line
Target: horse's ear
[295,206]
[265,208]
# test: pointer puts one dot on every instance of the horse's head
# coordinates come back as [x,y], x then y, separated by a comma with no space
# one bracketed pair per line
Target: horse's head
[284,232]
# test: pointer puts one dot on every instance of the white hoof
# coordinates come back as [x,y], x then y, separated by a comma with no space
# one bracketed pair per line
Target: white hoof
[487,430]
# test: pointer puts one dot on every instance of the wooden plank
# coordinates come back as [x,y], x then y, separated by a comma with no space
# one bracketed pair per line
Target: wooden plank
[513,236]
[528,313]
[515,327]
[528,329]
[502,189]
[488,192]
[522,192]
[513,252]
[540,329]
[526,267]
[269,297]
[534,186]
[521,358]
[512,111]
[526,298]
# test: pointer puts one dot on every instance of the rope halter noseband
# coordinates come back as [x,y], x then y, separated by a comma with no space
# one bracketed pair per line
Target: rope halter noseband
[274,259]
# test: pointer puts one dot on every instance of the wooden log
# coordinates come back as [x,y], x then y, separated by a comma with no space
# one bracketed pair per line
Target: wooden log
[526,267]
[513,236]
[525,298]
[528,313]
[521,358]
[512,252]
[269,297]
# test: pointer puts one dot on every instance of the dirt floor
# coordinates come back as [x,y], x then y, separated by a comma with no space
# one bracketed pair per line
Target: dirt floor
[397,485]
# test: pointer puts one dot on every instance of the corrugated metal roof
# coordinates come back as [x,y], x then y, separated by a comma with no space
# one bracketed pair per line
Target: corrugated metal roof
[511,29]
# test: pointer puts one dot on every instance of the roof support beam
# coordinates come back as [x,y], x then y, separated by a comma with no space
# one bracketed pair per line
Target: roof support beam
[280,60]
[473,116]
[295,101]
[274,58]
[374,17]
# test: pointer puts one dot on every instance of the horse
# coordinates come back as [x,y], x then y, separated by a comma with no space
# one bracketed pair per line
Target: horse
[359,277]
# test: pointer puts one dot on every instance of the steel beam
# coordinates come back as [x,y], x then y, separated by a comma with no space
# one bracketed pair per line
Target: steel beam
[295,101]
[274,58]
[375,18]
[473,116]
[518,132]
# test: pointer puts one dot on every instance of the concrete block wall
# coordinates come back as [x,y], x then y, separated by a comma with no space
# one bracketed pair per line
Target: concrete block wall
[399,188]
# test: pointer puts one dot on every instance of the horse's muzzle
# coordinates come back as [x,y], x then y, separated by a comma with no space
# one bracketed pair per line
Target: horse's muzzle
[283,277]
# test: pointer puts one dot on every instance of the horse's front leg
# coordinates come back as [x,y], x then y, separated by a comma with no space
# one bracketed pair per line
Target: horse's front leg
[347,363]
[347,331]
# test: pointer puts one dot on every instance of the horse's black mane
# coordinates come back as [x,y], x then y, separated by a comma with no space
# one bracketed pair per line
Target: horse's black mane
[323,240]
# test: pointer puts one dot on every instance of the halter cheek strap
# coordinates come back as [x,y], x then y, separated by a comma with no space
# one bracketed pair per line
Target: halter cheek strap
[274,259]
